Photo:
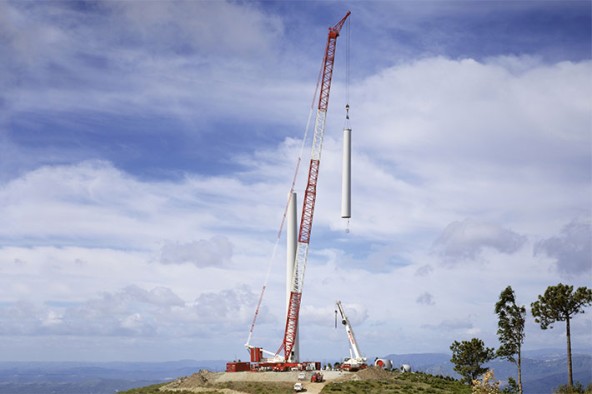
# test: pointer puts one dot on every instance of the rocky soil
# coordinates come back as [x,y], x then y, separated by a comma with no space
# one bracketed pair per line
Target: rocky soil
[231,383]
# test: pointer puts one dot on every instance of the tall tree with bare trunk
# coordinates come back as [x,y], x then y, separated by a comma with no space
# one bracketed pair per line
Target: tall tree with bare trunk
[510,330]
[561,303]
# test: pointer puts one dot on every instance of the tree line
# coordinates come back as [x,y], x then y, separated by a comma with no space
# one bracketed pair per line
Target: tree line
[558,303]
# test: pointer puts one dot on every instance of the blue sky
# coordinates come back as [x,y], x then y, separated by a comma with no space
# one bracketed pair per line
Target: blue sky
[147,148]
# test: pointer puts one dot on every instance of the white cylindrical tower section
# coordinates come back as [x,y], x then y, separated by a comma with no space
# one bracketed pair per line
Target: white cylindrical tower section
[291,245]
[346,175]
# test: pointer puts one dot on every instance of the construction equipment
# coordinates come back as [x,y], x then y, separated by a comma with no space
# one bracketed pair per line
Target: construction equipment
[310,193]
[383,363]
[355,361]
[287,361]
[317,377]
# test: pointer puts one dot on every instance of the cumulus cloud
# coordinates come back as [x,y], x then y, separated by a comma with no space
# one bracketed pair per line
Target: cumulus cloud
[425,299]
[21,318]
[571,248]
[403,200]
[466,240]
[93,201]
[104,61]
[452,325]
[131,311]
[321,316]
[424,270]
[443,138]
[226,307]
[461,138]
[356,313]
[158,296]
[219,27]
[203,253]
[317,315]
[90,199]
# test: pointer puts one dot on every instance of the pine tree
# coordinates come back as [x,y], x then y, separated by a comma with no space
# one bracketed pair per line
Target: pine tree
[467,357]
[561,303]
[510,331]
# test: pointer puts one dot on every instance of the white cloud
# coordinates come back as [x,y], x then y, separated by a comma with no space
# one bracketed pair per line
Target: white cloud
[466,240]
[214,252]
[426,299]
[571,249]
[194,61]
[228,308]
[95,203]
[460,111]
[458,324]
[439,139]
[434,141]
[219,28]
[132,311]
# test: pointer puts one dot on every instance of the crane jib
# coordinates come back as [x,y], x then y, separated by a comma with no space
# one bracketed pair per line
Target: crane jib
[328,63]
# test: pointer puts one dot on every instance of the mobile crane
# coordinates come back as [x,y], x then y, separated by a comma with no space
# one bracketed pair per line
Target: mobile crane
[355,361]
[286,361]
[310,193]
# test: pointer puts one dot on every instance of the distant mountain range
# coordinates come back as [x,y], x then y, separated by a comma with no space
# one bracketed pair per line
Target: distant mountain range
[543,371]
[92,378]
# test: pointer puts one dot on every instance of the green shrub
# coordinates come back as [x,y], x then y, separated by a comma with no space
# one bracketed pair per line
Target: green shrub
[577,388]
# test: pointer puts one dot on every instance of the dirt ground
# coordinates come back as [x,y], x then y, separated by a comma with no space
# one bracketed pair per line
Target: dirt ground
[206,380]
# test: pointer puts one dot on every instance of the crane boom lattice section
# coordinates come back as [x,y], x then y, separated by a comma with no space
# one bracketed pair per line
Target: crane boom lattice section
[291,325]
[310,196]
[310,193]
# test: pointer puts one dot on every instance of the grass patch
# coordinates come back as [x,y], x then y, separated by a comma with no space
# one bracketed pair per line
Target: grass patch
[392,383]
[259,387]
[406,383]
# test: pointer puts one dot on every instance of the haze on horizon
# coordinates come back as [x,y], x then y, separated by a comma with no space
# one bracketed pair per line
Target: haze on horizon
[147,149]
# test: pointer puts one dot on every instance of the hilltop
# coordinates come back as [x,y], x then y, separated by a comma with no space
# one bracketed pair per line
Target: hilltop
[371,380]
[543,372]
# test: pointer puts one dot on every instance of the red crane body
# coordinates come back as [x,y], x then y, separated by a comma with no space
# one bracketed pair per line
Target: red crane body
[310,193]
[277,362]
